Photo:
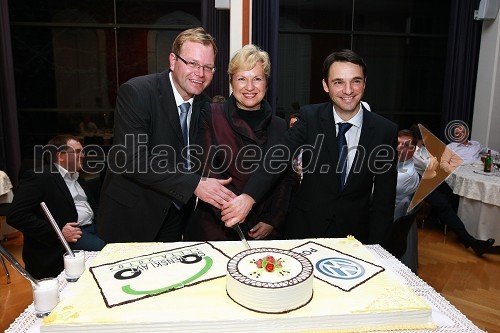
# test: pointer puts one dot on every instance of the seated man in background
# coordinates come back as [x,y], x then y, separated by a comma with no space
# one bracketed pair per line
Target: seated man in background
[69,201]
[421,155]
[469,151]
[408,178]
[406,186]
[441,203]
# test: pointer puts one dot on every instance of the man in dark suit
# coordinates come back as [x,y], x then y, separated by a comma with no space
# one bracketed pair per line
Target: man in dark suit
[70,202]
[327,204]
[148,190]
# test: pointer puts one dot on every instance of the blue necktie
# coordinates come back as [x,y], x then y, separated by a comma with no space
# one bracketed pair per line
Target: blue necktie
[342,148]
[184,127]
[183,119]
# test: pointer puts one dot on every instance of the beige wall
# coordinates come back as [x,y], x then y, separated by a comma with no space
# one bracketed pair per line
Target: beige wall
[486,119]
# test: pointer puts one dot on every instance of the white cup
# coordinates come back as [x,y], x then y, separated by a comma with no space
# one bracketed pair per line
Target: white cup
[74,266]
[45,296]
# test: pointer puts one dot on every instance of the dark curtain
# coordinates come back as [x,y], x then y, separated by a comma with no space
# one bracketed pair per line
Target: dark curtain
[10,151]
[265,30]
[464,41]
[216,22]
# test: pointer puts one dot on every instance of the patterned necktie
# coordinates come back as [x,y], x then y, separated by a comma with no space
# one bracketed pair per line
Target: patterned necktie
[342,148]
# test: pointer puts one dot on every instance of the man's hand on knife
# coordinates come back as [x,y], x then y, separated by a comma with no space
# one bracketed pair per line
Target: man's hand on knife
[237,209]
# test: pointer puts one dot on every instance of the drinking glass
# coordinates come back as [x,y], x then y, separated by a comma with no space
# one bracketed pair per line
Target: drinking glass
[496,165]
[74,266]
[45,296]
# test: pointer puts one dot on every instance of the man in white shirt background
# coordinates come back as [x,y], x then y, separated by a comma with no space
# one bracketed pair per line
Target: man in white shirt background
[408,178]
[442,205]
[468,150]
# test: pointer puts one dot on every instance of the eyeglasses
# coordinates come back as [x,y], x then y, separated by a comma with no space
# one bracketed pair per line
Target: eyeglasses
[196,66]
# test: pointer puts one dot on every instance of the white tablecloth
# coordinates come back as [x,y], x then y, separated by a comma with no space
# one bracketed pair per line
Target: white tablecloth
[5,185]
[6,196]
[479,206]
[448,318]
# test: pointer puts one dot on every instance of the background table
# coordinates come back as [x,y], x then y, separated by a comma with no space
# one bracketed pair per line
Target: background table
[448,318]
[6,196]
[479,206]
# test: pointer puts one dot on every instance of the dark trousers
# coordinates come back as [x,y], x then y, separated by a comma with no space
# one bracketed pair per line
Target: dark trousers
[89,241]
[173,226]
[444,211]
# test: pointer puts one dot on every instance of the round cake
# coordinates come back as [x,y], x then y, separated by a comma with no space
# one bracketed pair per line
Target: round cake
[270,280]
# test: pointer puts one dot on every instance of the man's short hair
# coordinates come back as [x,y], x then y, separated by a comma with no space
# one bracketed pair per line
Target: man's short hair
[344,55]
[57,144]
[407,132]
[196,35]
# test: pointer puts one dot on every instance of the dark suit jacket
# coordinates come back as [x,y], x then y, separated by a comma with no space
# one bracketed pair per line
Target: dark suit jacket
[42,249]
[365,207]
[143,177]
[221,126]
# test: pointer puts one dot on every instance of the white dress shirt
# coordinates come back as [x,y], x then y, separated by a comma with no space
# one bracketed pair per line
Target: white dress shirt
[408,180]
[85,213]
[470,152]
[352,135]
[179,101]
[421,159]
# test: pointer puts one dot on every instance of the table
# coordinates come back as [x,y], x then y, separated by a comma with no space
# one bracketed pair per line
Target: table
[5,188]
[6,196]
[479,206]
[445,315]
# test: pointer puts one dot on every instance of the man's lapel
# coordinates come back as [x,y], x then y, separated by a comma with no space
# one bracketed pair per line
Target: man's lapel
[330,140]
[363,151]
[168,105]
[328,127]
[63,187]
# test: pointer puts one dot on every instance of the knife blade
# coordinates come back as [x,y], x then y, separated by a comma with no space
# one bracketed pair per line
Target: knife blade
[242,237]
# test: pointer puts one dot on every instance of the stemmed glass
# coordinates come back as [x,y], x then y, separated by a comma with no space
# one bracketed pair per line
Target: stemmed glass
[496,165]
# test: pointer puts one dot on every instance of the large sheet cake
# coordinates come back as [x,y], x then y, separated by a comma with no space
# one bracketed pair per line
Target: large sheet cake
[353,292]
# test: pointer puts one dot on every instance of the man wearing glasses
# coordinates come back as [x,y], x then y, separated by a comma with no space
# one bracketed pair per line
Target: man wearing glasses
[148,190]
[70,201]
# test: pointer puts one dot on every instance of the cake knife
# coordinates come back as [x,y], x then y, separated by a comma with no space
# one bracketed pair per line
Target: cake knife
[242,237]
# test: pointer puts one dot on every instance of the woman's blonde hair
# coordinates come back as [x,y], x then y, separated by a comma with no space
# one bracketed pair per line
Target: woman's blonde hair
[246,58]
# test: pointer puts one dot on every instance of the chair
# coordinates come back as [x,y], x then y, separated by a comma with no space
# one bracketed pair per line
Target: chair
[403,241]
[7,274]
[425,212]
[4,208]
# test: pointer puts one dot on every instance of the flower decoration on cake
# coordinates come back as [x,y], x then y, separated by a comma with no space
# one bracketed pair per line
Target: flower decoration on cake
[269,264]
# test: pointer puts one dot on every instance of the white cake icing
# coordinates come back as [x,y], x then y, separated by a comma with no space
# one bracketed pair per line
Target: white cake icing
[285,285]
[380,302]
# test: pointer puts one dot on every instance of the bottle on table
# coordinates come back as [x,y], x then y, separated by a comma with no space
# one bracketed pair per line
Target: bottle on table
[488,162]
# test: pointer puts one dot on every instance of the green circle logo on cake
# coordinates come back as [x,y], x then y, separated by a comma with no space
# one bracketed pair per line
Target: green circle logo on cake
[152,274]
[208,263]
